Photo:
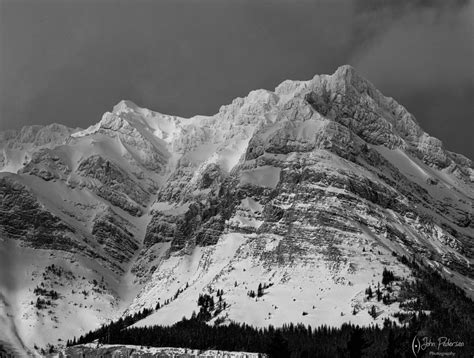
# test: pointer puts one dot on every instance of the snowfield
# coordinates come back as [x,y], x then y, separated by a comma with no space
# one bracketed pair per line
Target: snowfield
[92,350]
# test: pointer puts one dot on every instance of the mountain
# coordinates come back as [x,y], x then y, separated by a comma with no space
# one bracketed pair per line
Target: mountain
[309,191]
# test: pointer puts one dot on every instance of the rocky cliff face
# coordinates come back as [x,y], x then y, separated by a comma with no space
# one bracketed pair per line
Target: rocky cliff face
[330,170]
[310,189]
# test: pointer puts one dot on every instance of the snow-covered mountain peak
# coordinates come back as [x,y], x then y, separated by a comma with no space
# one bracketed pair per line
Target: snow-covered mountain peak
[17,147]
[126,118]
[327,166]
[308,190]
[124,106]
[36,135]
[348,75]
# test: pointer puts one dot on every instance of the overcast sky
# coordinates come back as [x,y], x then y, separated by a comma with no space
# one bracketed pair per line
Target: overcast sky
[69,61]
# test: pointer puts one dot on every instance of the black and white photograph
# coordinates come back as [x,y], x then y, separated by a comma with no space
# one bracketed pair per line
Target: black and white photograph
[236,178]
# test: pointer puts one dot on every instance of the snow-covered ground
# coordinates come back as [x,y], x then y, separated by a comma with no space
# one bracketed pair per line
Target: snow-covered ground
[92,350]
[309,293]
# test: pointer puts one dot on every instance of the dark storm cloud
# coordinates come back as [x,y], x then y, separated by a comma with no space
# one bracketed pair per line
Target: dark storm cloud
[424,57]
[69,61]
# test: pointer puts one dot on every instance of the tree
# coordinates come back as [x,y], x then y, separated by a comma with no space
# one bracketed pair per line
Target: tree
[387,276]
[279,346]
[369,292]
[357,343]
[373,312]
[378,292]
[390,351]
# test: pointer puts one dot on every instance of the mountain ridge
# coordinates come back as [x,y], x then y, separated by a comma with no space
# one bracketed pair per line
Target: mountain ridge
[308,189]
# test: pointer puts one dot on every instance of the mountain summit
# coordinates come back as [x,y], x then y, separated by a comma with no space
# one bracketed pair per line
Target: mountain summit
[291,202]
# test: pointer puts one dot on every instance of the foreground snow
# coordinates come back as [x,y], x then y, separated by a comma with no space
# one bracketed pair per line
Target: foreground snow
[92,351]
